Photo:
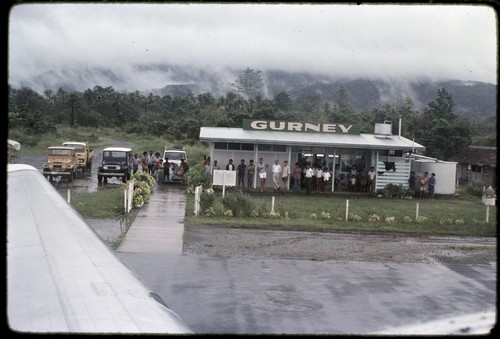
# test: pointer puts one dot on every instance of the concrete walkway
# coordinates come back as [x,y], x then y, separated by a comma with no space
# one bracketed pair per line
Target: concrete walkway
[159,226]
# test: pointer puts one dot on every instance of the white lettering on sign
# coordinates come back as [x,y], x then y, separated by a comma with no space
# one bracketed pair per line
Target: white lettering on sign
[272,126]
[259,124]
[299,127]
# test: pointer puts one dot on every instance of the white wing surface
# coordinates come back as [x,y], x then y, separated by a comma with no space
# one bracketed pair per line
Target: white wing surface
[61,277]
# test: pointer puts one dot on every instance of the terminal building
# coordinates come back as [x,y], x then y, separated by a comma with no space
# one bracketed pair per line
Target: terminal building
[338,146]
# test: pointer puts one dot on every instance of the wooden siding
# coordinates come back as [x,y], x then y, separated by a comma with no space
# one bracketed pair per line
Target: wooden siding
[397,176]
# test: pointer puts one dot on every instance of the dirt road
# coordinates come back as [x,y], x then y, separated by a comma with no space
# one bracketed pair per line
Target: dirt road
[229,242]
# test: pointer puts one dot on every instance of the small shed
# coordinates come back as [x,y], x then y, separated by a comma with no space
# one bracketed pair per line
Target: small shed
[445,172]
[477,164]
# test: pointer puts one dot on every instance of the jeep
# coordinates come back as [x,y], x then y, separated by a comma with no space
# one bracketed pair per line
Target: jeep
[116,162]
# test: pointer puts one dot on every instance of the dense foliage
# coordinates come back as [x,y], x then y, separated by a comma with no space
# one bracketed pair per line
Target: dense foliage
[180,117]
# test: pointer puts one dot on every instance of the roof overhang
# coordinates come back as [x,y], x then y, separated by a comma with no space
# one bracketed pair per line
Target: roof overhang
[365,141]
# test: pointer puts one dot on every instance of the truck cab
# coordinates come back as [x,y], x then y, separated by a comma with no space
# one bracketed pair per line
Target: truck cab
[61,161]
[116,162]
[84,154]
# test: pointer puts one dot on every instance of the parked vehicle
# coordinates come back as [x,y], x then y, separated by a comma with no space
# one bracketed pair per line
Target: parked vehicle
[61,161]
[84,154]
[116,162]
[174,157]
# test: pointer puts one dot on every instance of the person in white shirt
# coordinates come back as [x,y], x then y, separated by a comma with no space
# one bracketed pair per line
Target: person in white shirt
[276,170]
[308,176]
[371,178]
[326,178]
[261,169]
[319,177]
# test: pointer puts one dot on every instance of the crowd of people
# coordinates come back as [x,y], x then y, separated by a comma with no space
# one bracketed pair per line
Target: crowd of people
[161,169]
[425,187]
[315,177]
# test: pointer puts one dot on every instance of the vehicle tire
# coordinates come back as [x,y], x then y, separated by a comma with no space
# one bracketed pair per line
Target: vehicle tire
[99,179]
[71,177]
[124,178]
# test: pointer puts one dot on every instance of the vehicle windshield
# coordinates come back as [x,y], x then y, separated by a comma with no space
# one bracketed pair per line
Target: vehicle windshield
[64,152]
[114,155]
[77,147]
[174,155]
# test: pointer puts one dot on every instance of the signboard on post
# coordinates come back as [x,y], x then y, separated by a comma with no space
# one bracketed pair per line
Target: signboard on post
[224,178]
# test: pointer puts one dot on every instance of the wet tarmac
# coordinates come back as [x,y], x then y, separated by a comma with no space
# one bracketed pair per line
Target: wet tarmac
[242,295]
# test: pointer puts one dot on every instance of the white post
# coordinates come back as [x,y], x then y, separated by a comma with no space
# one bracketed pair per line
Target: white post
[272,204]
[130,196]
[487,213]
[197,194]
[125,193]
[223,189]
[346,210]
[416,213]
[69,196]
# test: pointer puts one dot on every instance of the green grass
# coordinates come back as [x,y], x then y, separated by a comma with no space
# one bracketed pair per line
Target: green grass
[103,204]
[441,213]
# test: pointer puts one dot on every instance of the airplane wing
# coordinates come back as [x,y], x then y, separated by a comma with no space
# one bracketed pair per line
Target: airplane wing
[61,277]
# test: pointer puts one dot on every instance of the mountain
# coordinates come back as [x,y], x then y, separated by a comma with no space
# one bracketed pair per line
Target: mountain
[473,100]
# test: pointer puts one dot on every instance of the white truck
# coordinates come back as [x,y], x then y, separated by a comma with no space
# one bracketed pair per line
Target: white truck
[174,157]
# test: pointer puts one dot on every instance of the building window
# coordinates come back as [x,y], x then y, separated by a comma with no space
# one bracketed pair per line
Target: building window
[279,148]
[220,145]
[247,147]
[233,145]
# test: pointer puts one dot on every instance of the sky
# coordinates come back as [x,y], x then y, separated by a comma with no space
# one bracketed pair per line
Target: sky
[367,41]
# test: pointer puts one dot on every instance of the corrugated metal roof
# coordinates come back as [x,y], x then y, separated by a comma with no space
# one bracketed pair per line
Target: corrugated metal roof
[367,141]
[477,155]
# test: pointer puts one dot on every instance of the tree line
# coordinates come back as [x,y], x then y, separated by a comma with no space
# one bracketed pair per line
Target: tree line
[437,127]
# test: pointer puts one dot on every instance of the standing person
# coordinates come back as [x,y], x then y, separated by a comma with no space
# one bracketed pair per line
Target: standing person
[285,174]
[308,177]
[424,184]
[156,163]
[412,182]
[230,165]
[215,166]
[250,173]
[135,163]
[166,170]
[261,169]
[208,167]
[337,176]
[371,178]
[326,178]
[297,175]
[144,162]
[319,177]
[432,185]
[184,165]
[241,173]
[150,162]
[276,170]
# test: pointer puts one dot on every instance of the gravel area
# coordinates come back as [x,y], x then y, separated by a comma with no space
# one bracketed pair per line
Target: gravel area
[229,242]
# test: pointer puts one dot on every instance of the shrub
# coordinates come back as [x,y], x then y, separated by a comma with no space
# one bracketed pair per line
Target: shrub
[373,217]
[407,219]
[239,203]
[207,198]
[421,219]
[197,176]
[354,217]
[390,220]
